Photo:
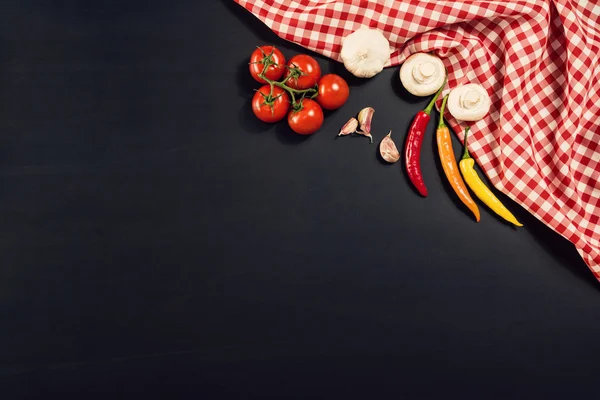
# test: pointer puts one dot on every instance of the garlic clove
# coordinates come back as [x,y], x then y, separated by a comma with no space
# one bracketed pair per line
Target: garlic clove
[388,150]
[365,117]
[469,102]
[365,52]
[349,127]
[422,74]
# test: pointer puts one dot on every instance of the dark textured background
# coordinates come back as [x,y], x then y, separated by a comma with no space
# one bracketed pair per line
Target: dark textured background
[156,241]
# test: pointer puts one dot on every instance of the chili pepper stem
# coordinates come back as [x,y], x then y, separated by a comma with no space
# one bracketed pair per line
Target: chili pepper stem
[442,124]
[429,107]
[466,154]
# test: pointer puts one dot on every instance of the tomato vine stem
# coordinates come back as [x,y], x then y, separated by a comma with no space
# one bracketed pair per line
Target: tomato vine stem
[267,61]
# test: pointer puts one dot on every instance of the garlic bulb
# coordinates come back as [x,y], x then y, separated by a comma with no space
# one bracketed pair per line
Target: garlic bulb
[469,102]
[365,52]
[422,74]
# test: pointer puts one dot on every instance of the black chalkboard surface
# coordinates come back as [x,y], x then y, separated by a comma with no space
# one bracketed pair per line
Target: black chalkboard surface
[157,241]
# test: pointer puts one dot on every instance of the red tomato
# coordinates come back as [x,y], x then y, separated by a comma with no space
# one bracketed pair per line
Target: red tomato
[308,67]
[333,92]
[308,119]
[270,108]
[267,55]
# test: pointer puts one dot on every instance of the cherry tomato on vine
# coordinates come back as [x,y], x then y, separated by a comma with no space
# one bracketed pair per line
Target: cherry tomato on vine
[333,91]
[308,119]
[270,108]
[305,71]
[271,56]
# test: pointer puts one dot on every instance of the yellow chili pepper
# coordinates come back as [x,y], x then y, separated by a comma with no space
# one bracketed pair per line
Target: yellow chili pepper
[480,189]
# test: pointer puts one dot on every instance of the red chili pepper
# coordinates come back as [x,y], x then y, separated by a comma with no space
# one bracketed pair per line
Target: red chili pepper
[412,151]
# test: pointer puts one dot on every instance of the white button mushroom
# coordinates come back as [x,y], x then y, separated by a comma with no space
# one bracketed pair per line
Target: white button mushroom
[365,52]
[469,102]
[422,74]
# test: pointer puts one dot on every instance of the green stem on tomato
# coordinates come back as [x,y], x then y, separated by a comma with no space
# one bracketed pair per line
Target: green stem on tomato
[297,91]
[285,87]
[272,88]
[267,62]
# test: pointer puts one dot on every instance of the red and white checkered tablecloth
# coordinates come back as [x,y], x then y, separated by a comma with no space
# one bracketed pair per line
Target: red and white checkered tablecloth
[539,61]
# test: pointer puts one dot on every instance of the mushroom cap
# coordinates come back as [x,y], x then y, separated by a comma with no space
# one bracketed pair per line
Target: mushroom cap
[365,52]
[469,102]
[422,74]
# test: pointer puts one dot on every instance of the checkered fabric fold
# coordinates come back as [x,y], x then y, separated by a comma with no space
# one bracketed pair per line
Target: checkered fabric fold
[538,60]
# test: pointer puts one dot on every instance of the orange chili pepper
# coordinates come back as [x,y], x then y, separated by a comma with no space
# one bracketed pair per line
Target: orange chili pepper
[446,153]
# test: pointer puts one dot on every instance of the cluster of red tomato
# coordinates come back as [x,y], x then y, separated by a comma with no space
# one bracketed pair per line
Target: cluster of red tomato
[295,89]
